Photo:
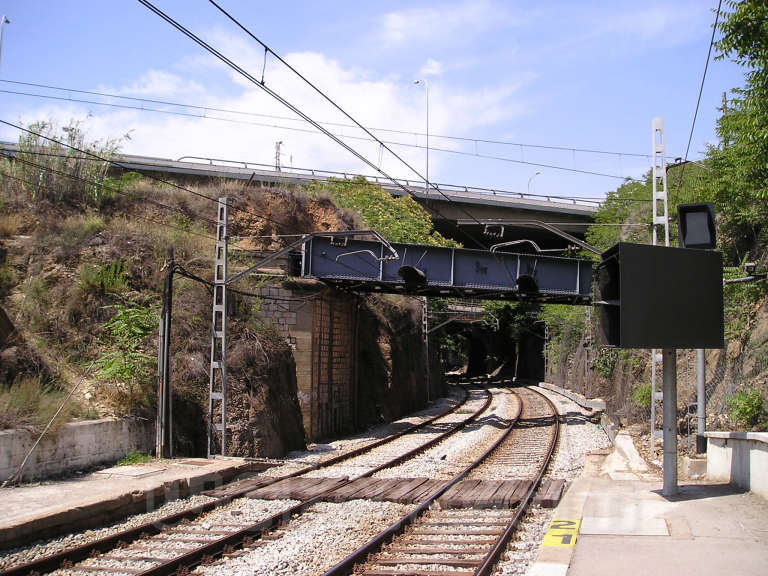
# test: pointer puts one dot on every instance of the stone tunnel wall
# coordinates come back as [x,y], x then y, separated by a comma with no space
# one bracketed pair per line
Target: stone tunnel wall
[349,351]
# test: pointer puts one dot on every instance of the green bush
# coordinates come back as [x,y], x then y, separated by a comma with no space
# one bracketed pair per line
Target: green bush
[134,457]
[123,363]
[105,279]
[397,219]
[606,361]
[746,408]
[641,395]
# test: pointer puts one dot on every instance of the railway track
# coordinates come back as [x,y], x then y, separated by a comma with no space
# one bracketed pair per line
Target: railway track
[436,540]
[187,538]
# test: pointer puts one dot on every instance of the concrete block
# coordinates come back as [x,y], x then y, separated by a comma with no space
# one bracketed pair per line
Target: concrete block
[739,458]
[694,467]
[595,404]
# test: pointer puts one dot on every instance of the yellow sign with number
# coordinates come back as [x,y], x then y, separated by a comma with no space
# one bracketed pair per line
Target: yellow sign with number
[562,533]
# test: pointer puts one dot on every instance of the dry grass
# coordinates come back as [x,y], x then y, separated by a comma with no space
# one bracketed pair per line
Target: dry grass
[11,224]
[27,403]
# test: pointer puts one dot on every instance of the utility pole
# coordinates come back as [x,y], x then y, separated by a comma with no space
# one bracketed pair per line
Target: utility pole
[217,389]
[669,383]
[425,330]
[3,21]
[164,426]
[277,155]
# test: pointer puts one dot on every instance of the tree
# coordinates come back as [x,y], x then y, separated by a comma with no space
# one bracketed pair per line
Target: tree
[739,180]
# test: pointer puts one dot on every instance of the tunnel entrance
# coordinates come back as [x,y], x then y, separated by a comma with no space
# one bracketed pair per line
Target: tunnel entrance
[513,348]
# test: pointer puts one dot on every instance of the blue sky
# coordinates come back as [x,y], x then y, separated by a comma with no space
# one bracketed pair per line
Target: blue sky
[586,75]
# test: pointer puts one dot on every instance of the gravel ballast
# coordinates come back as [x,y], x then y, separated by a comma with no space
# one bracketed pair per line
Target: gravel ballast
[448,458]
[314,541]
[18,556]
[318,453]
[365,462]
[578,437]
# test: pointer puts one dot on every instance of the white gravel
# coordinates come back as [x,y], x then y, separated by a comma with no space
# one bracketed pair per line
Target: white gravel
[451,456]
[237,515]
[16,556]
[522,453]
[359,465]
[314,541]
[294,461]
[578,437]
[317,453]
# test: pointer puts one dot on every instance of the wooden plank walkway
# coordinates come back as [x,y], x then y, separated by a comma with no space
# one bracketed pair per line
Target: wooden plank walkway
[465,494]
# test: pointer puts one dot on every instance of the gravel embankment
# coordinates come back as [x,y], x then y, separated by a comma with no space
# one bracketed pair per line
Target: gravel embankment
[578,437]
[294,461]
[314,541]
[448,458]
[361,464]
[317,453]
[16,556]
[237,515]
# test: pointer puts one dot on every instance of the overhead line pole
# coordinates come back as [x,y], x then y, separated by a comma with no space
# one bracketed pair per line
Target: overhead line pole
[164,425]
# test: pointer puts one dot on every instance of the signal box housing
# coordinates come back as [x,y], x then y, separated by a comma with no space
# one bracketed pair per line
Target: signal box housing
[660,297]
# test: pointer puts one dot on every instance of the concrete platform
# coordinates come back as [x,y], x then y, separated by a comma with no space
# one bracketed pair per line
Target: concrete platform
[614,520]
[44,510]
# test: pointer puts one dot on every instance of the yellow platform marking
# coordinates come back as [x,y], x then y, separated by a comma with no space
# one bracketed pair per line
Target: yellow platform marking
[562,533]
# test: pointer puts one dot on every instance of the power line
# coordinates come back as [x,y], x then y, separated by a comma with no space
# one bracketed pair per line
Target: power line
[264,87]
[701,90]
[205,109]
[296,110]
[340,136]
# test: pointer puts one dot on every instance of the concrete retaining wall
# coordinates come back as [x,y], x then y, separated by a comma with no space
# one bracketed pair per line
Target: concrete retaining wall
[594,404]
[75,446]
[740,458]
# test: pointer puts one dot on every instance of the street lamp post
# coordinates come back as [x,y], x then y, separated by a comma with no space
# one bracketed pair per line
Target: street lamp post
[426,88]
[3,22]
[531,179]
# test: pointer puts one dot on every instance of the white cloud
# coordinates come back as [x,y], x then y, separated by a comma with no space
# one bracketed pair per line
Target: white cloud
[381,101]
[668,23]
[426,24]
[432,68]
[160,83]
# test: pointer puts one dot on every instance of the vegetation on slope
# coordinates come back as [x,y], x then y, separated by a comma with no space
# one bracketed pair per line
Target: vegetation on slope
[734,176]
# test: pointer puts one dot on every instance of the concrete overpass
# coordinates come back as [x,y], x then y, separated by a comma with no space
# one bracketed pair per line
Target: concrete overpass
[471,214]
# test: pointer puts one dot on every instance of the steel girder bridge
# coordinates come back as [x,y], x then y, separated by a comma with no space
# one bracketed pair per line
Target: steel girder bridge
[343,260]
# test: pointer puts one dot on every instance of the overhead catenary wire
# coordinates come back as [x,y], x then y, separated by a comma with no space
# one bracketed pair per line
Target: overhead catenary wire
[350,137]
[698,99]
[297,111]
[264,87]
[340,109]
[205,109]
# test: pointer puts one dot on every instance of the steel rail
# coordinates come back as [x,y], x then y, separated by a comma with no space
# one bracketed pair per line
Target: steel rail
[237,539]
[79,553]
[361,554]
[492,557]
